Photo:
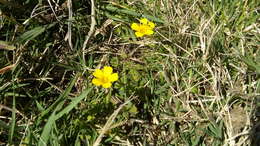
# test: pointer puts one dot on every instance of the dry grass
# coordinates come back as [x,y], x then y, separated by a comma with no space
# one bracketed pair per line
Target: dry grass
[195,81]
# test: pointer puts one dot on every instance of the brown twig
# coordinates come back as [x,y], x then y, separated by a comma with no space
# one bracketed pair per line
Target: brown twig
[92,27]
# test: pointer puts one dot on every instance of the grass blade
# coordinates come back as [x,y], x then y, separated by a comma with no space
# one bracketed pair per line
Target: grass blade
[6,45]
[47,130]
[73,103]
[33,33]
[60,98]
[49,125]
[130,12]
[11,130]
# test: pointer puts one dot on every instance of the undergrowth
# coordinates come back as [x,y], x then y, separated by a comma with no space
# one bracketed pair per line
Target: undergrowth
[194,81]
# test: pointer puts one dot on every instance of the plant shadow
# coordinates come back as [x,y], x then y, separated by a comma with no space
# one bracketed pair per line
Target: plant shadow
[255,130]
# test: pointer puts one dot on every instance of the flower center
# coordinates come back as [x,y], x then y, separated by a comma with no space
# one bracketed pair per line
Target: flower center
[143,28]
[104,80]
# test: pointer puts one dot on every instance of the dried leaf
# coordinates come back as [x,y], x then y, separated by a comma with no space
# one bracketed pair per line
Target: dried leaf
[6,45]
[7,68]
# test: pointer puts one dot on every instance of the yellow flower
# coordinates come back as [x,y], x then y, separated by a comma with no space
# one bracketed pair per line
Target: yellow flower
[104,77]
[145,27]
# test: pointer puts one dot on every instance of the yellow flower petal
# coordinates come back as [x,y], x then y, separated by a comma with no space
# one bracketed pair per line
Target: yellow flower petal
[113,77]
[143,28]
[98,73]
[139,34]
[151,24]
[107,70]
[96,82]
[149,32]
[106,85]
[144,21]
[135,26]
[104,77]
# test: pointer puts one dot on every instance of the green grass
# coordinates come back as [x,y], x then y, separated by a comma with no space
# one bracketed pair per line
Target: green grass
[194,82]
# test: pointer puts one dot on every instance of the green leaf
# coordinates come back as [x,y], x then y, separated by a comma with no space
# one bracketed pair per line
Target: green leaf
[33,33]
[131,12]
[73,103]
[197,141]
[39,106]
[59,100]
[252,64]
[13,122]
[47,130]
[49,125]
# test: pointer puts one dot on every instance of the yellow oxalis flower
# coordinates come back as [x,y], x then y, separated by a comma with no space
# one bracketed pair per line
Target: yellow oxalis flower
[145,27]
[104,77]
